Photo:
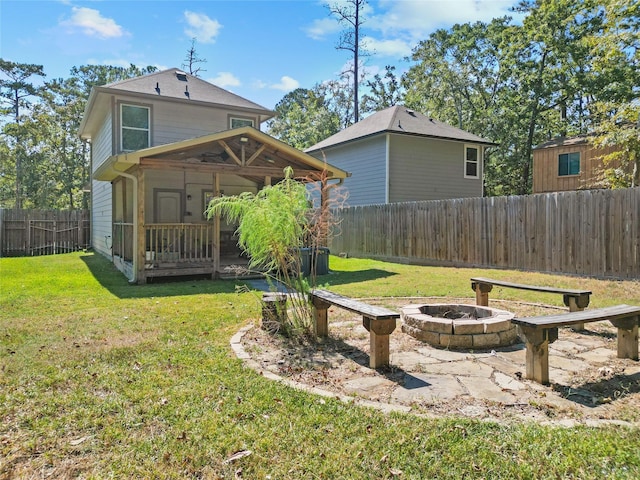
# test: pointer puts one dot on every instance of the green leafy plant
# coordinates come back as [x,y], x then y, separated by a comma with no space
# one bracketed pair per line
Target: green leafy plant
[272,227]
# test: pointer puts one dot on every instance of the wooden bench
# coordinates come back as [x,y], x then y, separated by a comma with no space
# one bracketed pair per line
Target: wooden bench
[380,322]
[539,332]
[576,300]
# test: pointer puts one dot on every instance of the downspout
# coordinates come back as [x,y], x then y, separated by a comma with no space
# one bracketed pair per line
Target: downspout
[134,179]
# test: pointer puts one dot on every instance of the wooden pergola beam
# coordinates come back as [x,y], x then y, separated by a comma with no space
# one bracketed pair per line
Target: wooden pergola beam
[255,155]
[199,166]
[230,152]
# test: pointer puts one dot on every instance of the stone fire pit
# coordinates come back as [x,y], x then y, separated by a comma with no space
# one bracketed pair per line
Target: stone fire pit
[459,325]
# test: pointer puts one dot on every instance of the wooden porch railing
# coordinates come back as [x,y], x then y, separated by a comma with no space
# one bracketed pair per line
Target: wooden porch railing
[175,244]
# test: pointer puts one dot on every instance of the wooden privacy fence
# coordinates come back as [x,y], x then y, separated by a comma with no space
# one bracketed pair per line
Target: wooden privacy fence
[592,232]
[43,232]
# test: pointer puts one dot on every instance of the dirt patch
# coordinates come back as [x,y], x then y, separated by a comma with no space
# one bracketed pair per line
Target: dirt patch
[588,383]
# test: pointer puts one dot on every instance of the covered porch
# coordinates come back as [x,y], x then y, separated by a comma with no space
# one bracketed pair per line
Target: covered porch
[159,227]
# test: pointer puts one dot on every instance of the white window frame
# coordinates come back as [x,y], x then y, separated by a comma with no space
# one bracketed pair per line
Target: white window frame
[122,127]
[242,119]
[478,161]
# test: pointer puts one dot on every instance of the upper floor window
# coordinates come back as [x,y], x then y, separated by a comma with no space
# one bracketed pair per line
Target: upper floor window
[134,121]
[569,164]
[471,162]
[237,122]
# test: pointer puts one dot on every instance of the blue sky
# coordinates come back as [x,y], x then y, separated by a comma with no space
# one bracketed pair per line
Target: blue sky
[259,49]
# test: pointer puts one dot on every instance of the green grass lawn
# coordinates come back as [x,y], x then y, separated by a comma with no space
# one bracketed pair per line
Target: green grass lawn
[100,379]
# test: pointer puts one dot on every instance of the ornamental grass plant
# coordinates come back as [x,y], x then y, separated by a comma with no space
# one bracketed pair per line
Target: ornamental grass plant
[274,225]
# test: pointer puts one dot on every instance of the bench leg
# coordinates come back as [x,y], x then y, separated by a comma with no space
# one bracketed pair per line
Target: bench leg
[576,304]
[379,332]
[482,293]
[320,322]
[573,307]
[379,350]
[537,357]
[627,337]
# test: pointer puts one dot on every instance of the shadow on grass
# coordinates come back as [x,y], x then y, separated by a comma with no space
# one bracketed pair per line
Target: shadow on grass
[342,277]
[113,280]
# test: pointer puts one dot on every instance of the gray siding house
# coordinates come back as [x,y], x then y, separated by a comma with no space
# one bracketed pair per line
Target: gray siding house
[399,155]
[163,145]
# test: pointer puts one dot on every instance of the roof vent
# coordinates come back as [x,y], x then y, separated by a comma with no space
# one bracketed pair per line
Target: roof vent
[158,87]
[411,112]
[180,75]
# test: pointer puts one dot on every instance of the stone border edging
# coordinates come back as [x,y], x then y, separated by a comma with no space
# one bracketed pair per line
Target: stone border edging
[238,349]
[240,352]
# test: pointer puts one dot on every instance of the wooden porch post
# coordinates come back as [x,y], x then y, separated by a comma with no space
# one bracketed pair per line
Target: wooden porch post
[216,230]
[141,247]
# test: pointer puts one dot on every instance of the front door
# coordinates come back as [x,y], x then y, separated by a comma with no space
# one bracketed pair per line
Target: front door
[167,206]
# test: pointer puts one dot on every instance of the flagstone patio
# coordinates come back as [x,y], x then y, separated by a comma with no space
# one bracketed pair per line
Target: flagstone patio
[589,385]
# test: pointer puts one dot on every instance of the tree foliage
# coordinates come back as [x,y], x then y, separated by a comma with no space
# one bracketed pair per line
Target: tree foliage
[384,92]
[558,73]
[304,117]
[44,163]
[617,63]
[16,92]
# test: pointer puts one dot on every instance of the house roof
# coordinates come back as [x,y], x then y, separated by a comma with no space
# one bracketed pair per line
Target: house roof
[172,85]
[243,151]
[564,142]
[400,120]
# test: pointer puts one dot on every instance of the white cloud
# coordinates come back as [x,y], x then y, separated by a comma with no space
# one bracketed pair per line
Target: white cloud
[225,79]
[201,27]
[322,27]
[286,84]
[396,27]
[92,23]
[419,18]
[388,48]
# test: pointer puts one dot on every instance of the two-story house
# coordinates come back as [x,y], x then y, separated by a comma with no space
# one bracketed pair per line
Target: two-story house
[400,155]
[161,146]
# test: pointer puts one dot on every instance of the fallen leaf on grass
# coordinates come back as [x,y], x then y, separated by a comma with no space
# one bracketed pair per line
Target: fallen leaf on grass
[78,441]
[237,456]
